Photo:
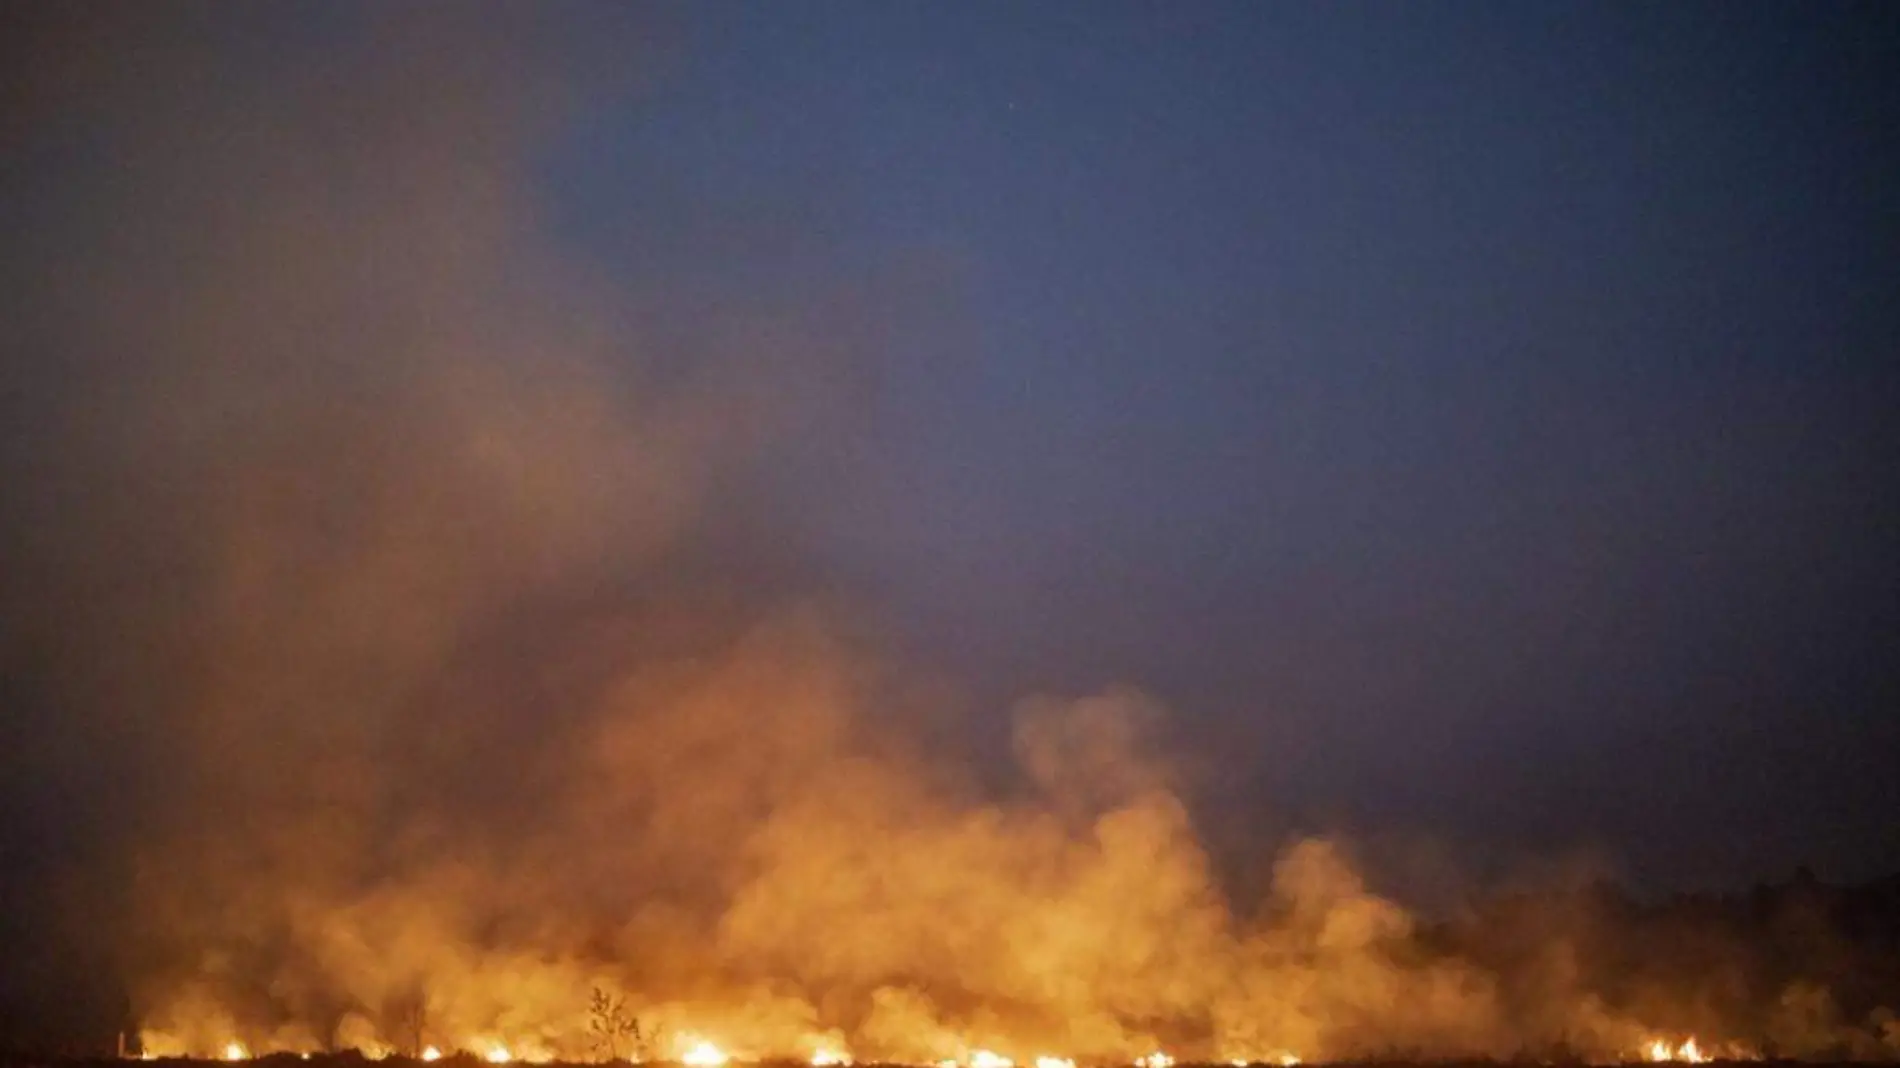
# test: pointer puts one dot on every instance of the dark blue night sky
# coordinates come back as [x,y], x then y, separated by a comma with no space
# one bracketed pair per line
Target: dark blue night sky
[1473,418]
[1476,423]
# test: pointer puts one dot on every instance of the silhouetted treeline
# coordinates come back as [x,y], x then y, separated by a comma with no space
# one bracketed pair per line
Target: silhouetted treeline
[1798,969]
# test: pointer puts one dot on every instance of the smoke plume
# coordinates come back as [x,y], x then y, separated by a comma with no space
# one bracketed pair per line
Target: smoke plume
[408,648]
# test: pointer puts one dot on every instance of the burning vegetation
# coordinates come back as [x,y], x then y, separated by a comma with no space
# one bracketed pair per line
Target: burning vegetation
[481,710]
[865,911]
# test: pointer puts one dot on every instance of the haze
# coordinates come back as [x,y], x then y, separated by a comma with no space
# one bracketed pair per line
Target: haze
[596,462]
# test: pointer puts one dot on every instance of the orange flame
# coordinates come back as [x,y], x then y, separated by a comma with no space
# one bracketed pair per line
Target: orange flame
[1689,1052]
[703,1054]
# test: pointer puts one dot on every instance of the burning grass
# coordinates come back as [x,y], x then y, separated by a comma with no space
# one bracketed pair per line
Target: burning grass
[471,1059]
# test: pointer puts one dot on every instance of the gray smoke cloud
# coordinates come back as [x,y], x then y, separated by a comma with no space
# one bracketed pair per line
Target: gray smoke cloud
[404,641]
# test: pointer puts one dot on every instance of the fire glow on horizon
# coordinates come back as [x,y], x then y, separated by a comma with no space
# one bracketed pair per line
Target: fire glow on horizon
[698,1052]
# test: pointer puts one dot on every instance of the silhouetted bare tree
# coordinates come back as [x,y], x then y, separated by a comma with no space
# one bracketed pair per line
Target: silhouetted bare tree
[613,1025]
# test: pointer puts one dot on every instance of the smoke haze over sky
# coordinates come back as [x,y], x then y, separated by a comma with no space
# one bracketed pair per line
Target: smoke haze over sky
[436,440]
